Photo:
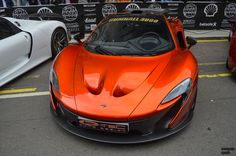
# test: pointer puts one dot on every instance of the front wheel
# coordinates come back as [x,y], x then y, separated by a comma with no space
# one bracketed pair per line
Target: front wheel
[58,41]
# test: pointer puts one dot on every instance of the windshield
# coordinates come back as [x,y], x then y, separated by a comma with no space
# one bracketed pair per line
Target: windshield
[141,36]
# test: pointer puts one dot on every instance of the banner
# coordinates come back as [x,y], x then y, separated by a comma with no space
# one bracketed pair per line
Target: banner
[84,17]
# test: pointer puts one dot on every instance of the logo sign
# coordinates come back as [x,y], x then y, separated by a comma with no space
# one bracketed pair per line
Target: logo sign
[189,23]
[20,13]
[210,10]
[208,24]
[190,10]
[69,13]
[103,105]
[90,27]
[90,20]
[44,10]
[90,14]
[132,6]
[109,9]
[73,27]
[154,6]
[89,5]
[90,10]
[230,10]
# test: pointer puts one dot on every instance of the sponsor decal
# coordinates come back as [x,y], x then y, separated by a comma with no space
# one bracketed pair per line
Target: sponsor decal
[90,20]
[132,6]
[154,6]
[90,10]
[210,10]
[44,10]
[90,14]
[20,13]
[225,24]
[108,9]
[230,10]
[72,27]
[136,19]
[173,13]
[89,5]
[69,13]
[93,26]
[190,10]
[189,23]
[90,27]
[172,17]
[214,24]
[173,4]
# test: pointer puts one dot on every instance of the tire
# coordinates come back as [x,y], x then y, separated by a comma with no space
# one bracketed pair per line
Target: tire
[58,41]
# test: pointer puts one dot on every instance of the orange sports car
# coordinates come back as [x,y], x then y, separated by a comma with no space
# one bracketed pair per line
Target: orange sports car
[133,80]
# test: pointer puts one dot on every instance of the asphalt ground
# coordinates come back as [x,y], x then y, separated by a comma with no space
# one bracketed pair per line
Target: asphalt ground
[27,127]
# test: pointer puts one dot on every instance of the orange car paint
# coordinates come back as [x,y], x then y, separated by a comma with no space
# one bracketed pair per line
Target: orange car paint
[123,88]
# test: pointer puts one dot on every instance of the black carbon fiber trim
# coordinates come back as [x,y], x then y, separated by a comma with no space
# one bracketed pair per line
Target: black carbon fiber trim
[119,138]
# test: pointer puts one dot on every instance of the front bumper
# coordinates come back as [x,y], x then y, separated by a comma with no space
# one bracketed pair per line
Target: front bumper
[140,131]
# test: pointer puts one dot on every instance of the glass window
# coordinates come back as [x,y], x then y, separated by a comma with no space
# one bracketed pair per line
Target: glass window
[133,36]
[5,30]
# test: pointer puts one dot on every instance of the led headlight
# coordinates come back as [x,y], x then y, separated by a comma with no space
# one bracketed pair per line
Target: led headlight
[54,80]
[182,88]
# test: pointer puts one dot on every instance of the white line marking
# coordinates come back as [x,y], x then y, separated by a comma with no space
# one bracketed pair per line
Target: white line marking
[10,96]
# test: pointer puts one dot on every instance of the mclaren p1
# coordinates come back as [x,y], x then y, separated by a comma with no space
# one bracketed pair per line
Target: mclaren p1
[132,80]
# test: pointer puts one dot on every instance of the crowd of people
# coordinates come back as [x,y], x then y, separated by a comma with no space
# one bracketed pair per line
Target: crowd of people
[11,3]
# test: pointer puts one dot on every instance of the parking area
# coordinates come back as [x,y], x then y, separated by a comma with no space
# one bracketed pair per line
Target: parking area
[27,127]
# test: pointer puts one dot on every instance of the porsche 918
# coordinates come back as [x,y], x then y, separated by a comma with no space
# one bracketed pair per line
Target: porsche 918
[25,44]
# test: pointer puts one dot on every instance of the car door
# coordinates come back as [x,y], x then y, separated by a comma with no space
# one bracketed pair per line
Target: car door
[15,47]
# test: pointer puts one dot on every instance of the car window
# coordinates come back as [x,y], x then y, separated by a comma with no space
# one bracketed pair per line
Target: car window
[5,31]
[141,36]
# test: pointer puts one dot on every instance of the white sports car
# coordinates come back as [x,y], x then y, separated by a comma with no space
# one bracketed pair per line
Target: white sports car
[25,44]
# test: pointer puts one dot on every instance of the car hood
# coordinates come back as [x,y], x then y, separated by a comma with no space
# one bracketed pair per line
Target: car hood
[111,87]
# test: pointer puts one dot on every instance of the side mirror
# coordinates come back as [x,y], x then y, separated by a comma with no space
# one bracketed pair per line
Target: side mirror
[191,41]
[78,37]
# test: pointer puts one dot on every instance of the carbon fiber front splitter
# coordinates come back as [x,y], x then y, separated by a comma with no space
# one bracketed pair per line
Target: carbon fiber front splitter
[120,138]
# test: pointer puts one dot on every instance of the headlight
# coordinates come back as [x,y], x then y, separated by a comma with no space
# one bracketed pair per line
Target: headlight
[182,88]
[54,80]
